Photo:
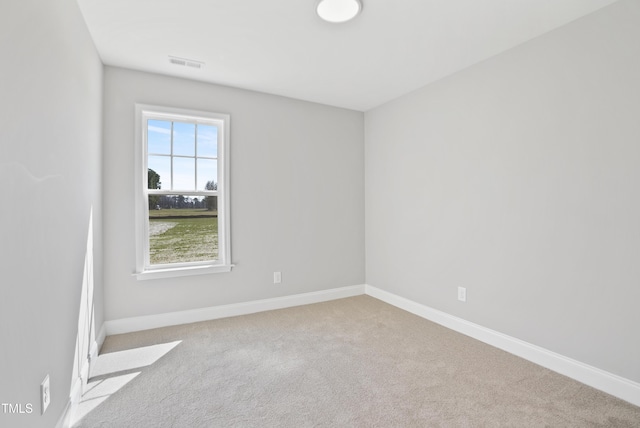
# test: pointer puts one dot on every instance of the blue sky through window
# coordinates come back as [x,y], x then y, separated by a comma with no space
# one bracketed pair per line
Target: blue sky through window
[159,137]
[208,141]
[184,139]
[185,143]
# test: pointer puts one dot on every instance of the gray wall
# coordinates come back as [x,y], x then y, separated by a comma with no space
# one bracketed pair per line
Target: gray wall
[50,170]
[297,196]
[518,179]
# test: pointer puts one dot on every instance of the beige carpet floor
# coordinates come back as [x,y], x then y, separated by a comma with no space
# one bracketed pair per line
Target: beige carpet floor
[355,362]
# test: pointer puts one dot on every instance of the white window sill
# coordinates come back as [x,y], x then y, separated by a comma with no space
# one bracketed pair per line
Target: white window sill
[182,271]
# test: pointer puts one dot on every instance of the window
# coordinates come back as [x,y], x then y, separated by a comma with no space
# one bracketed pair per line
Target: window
[182,192]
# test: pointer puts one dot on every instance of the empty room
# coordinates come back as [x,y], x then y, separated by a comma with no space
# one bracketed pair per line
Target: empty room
[337,213]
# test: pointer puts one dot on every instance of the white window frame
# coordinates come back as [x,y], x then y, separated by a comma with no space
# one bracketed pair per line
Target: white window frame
[144,270]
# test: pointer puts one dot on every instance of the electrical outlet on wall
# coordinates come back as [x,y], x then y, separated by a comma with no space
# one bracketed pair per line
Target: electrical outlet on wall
[45,394]
[277,277]
[462,294]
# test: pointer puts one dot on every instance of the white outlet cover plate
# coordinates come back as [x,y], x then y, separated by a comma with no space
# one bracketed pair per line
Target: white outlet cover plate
[462,294]
[45,394]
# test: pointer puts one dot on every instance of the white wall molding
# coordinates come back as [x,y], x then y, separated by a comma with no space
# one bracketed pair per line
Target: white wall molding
[604,381]
[610,383]
[102,334]
[128,325]
[67,418]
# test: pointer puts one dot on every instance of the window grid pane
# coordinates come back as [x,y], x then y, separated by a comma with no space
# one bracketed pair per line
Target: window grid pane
[184,139]
[207,141]
[159,136]
[207,174]
[160,165]
[176,142]
[184,173]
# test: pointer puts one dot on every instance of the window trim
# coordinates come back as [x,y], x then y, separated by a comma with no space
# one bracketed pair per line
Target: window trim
[143,269]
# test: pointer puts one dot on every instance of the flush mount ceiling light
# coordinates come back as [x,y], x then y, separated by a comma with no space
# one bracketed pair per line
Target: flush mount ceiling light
[337,11]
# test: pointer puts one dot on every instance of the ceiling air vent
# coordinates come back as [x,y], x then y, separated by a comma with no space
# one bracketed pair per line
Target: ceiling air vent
[185,62]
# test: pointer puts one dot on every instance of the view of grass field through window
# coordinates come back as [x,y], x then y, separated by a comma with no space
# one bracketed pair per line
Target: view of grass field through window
[182,229]
[182,156]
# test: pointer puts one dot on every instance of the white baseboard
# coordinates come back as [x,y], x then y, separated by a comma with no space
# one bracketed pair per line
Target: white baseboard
[610,383]
[128,325]
[67,418]
[102,334]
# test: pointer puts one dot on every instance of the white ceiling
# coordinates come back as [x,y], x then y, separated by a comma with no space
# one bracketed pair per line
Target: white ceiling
[282,47]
